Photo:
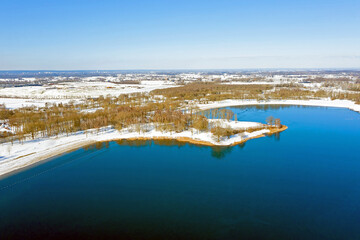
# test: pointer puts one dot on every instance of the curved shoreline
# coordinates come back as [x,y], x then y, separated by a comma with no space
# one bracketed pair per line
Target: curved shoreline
[18,163]
[202,142]
[313,103]
[45,156]
[283,128]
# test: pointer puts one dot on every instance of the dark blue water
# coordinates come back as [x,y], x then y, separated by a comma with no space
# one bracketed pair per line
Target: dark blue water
[301,184]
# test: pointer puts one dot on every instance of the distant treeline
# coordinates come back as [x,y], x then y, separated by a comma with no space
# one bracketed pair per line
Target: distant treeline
[205,92]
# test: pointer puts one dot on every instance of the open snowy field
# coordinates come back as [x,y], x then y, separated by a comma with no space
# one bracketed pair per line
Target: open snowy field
[14,97]
[12,103]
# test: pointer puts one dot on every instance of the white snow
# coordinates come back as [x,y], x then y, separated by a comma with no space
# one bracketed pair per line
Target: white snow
[12,103]
[17,97]
[17,155]
[235,124]
[80,90]
[4,130]
[91,110]
[254,83]
[321,103]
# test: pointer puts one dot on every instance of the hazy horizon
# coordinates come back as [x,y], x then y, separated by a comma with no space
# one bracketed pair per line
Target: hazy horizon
[185,70]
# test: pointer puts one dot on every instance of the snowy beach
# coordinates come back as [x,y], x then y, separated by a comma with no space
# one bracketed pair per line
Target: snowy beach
[14,156]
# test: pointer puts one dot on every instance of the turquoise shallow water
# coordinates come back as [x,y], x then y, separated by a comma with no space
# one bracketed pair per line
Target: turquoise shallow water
[301,184]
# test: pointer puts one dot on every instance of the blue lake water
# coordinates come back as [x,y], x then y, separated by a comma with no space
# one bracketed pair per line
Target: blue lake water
[301,184]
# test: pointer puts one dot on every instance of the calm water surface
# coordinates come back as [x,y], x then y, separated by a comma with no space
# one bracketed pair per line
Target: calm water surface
[301,184]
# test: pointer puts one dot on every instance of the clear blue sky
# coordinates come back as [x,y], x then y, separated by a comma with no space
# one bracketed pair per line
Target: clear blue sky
[62,34]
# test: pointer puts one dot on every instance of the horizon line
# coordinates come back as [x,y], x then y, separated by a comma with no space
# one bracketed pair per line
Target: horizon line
[180,69]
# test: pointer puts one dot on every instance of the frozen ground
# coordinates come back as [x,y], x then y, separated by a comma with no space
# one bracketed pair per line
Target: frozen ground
[12,103]
[257,82]
[14,97]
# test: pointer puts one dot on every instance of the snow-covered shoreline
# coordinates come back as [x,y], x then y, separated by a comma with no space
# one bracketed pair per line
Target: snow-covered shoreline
[16,156]
[317,103]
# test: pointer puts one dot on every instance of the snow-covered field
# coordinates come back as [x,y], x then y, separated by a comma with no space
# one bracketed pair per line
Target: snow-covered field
[12,103]
[15,97]
[17,155]
[257,82]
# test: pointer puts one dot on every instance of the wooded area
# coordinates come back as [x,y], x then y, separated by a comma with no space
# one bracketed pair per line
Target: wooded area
[171,109]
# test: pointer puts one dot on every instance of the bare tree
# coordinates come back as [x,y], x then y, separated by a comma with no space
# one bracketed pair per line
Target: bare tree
[270,120]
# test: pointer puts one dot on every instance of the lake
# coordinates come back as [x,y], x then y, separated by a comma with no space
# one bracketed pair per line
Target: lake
[303,183]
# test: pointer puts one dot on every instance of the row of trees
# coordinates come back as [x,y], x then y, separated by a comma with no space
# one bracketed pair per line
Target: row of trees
[271,121]
[137,110]
[204,92]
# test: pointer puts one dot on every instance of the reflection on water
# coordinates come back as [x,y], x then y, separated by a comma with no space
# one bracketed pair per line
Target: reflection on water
[276,136]
[216,151]
[96,146]
[220,151]
[143,143]
[302,187]
[266,107]
[242,112]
